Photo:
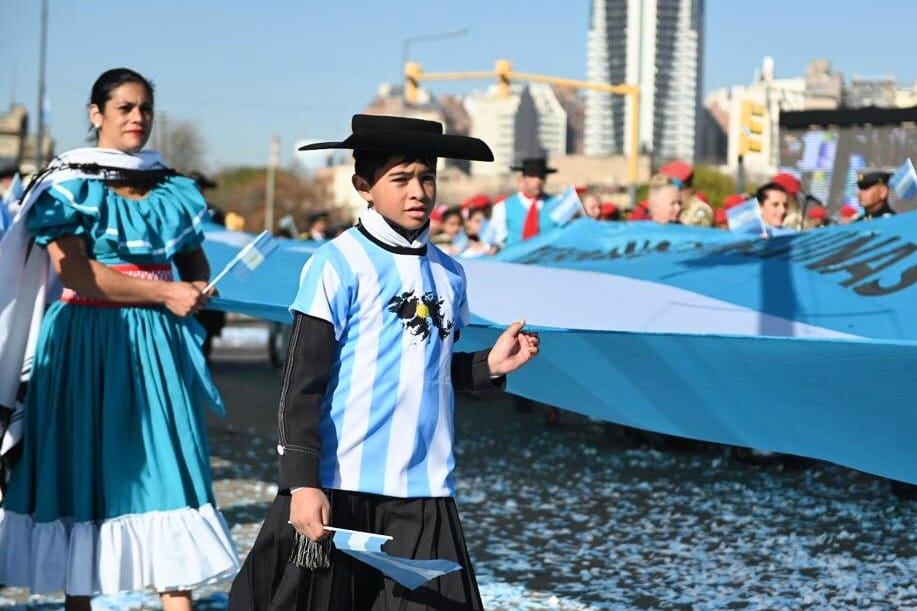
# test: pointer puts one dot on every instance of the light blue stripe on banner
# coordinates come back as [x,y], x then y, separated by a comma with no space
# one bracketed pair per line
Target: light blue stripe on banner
[713,388]
[418,477]
[388,367]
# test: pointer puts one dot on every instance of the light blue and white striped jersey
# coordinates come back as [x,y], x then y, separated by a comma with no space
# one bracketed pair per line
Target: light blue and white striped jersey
[387,416]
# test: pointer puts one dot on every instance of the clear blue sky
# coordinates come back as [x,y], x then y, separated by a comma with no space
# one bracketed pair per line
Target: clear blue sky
[245,70]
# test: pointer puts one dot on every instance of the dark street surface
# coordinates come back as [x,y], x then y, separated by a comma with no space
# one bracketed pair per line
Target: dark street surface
[582,515]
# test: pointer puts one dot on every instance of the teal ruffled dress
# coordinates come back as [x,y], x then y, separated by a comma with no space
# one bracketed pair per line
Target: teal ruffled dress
[113,491]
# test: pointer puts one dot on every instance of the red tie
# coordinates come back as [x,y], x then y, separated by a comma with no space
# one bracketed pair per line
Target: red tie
[530,229]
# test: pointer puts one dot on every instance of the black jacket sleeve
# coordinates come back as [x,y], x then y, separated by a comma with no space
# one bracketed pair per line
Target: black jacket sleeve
[470,372]
[305,380]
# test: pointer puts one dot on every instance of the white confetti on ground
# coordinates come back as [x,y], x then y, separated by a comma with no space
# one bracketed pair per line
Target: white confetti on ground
[582,517]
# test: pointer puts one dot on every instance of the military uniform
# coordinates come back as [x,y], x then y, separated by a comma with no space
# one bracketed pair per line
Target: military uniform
[868,179]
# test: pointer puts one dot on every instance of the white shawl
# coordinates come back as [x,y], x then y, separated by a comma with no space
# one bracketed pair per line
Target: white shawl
[26,278]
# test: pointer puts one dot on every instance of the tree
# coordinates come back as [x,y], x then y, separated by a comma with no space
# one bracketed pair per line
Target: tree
[182,145]
[713,184]
[242,190]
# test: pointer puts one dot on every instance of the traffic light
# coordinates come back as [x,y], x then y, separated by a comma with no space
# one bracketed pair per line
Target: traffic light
[504,69]
[751,126]
[412,74]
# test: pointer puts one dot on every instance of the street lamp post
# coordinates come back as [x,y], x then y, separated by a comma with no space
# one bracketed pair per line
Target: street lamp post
[406,43]
[42,53]
[273,162]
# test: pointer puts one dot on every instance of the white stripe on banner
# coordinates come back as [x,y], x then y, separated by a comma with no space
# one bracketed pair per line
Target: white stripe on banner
[574,299]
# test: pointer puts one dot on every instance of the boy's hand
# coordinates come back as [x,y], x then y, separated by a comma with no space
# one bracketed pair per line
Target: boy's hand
[310,511]
[513,349]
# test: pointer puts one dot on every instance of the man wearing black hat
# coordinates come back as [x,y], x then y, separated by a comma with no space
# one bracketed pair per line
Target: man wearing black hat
[873,194]
[524,215]
[366,403]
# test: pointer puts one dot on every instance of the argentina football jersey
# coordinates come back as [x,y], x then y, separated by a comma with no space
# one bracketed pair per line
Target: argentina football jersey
[387,416]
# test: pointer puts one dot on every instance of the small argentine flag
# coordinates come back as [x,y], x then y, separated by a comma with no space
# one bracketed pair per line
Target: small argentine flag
[904,181]
[564,207]
[367,547]
[13,195]
[9,205]
[746,218]
[251,256]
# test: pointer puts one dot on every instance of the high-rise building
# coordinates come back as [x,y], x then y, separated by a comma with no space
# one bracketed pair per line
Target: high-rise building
[528,121]
[657,44]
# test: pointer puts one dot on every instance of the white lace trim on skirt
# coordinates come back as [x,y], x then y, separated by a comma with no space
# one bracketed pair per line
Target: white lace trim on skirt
[166,550]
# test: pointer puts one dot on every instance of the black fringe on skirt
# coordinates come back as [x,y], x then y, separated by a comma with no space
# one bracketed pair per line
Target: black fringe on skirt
[423,528]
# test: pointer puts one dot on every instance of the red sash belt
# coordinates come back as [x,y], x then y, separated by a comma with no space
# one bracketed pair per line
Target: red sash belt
[162,271]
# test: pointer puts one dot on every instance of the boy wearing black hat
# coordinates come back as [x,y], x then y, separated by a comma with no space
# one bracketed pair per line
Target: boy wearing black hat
[873,194]
[365,416]
[524,215]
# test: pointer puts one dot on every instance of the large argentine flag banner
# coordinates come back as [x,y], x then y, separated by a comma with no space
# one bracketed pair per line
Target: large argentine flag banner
[804,344]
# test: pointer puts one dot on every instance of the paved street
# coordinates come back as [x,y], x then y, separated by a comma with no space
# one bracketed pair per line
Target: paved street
[582,516]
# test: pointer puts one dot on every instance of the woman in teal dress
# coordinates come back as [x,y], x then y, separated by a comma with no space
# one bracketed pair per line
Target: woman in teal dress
[113,491]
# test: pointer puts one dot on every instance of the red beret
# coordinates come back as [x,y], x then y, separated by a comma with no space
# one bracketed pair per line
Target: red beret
[608,210]
[788,182]
[640,212]
[438,212]
[817,212]
[476,201]
[733,200]
[849,211]
[679,170]
[719,216]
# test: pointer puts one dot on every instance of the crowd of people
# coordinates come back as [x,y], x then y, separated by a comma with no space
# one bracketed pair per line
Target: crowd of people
[483,225]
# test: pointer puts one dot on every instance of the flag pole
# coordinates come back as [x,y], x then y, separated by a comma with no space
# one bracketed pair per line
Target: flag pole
[232,262]
[42,53]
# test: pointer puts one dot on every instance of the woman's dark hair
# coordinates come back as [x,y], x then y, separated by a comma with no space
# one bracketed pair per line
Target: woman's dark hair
[761,193]
[110,80]
[367,164]
[456,211]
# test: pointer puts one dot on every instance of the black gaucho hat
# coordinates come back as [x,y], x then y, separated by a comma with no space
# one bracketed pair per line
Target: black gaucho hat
[534,166]
[869,177]
[400,135]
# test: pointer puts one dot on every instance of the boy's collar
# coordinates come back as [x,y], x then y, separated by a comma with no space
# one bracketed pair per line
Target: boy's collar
[392,237]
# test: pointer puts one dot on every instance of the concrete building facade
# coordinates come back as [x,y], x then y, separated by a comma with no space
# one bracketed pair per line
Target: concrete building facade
[528,121]
[657,44]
